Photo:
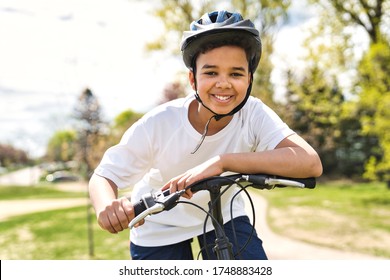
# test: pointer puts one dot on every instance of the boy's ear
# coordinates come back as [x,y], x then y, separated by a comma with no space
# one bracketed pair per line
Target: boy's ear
[191,78]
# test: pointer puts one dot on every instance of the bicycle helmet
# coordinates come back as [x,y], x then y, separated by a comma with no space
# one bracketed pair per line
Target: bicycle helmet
[217,27]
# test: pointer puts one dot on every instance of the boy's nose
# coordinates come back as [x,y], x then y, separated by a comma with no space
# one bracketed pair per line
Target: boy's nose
[223,84]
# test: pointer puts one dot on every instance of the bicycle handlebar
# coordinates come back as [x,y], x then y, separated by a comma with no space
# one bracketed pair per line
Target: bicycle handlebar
[153,203]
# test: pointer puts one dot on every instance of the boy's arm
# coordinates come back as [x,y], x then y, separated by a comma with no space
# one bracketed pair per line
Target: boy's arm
[292,157]
[113,214]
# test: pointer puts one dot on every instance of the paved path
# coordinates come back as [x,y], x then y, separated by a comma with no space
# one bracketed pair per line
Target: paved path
[12,208]
[24,177]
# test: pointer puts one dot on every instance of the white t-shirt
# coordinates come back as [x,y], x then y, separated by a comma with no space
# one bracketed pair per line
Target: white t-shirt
[158,147]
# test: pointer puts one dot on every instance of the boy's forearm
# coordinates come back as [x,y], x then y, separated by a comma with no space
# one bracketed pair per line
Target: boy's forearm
[287,161]
[101,191]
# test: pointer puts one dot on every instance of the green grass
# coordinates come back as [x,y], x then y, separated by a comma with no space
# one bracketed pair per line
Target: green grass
[35,192]
[352,217]
[59,235]
[346,216]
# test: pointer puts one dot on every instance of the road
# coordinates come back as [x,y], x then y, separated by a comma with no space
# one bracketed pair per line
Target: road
[23,177]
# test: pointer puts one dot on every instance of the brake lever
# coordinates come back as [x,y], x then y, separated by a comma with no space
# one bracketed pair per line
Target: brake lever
[161,203]
[158,207]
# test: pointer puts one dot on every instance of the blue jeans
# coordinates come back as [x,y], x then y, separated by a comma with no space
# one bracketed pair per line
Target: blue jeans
[182,251]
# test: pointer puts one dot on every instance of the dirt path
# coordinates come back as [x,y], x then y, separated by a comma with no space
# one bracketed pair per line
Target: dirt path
[284,248]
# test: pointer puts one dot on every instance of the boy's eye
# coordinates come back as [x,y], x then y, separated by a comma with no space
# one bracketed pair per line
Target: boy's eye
[211,73]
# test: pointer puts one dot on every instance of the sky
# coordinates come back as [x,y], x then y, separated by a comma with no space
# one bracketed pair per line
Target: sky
[51,50]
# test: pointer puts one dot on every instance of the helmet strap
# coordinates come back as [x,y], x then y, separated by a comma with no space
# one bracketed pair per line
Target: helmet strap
[216,116]
[235,110]
[206,129]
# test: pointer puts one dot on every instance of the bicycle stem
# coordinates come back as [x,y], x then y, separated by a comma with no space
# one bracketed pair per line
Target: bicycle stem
[223,248]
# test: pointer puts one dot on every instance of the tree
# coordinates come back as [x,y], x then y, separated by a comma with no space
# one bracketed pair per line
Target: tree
[176,16]
[61,146]
[374,73]
[90,127]
[331,49]
[121,123]
[268,16]
[372,80]
[372,15]
[172,91]
[316,104]
[336,37]
[10,156]
[312,110]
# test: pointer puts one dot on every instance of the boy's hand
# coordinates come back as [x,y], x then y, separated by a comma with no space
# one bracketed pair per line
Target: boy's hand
[212,167]
[117,216]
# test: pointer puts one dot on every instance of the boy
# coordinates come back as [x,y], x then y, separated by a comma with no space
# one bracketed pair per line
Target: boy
[219,129]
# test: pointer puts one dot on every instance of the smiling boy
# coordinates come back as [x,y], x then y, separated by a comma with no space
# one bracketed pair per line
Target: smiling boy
[219,129]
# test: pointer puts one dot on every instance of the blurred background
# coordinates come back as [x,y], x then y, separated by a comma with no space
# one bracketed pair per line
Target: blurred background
[75,74]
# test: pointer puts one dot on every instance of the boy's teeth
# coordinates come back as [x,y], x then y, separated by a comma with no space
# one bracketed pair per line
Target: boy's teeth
[220,97]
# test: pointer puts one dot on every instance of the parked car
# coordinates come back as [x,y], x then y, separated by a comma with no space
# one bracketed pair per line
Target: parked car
[62,176]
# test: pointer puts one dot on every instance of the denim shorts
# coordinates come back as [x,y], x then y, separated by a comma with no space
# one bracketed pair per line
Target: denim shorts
[245,245]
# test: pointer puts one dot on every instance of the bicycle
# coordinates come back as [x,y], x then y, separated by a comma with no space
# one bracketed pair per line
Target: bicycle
[154,203]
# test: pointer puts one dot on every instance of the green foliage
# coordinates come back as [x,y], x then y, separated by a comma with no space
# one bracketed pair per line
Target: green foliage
[176,16]
[347,135]
[370,15]
[268,17]
[353,148]
[62,146]
[374,102]
[313,110]
[125,119]
[121,123]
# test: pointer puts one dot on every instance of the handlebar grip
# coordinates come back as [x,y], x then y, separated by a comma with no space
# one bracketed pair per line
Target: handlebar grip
[310,183]
[139,207]
[262,180]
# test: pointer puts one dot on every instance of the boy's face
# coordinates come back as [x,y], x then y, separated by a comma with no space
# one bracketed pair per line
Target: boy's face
[222,78]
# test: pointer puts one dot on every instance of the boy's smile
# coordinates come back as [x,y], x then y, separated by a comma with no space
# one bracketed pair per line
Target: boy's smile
[222,79]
